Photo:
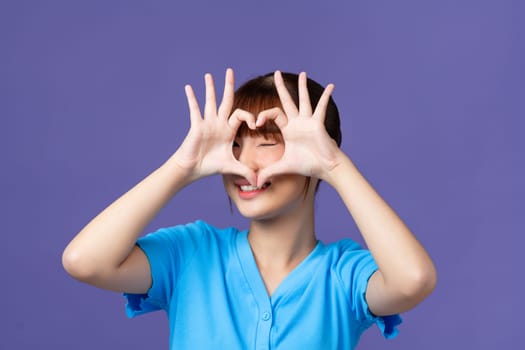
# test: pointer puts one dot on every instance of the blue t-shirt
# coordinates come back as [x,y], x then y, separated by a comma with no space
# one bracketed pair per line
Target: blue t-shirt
[207,281]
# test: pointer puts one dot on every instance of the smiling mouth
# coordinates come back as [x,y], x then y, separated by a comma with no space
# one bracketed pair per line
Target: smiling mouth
[250,188]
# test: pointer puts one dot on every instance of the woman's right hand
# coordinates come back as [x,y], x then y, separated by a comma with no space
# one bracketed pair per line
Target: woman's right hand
[207,148]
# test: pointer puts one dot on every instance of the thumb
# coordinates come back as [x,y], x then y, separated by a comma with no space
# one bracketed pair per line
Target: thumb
[237,168]
[267,173]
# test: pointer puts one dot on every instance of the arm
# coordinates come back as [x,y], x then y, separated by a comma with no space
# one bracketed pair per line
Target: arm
[406,273]
[104,253]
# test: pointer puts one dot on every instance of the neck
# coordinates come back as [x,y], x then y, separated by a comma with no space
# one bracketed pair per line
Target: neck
[283,242]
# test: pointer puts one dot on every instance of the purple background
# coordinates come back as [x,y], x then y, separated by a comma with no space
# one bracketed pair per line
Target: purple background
[432,100]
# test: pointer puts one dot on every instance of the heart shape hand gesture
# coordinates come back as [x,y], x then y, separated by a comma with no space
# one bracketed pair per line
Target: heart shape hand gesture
[207,148]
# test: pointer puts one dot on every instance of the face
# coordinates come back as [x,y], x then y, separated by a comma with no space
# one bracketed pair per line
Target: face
[280,195]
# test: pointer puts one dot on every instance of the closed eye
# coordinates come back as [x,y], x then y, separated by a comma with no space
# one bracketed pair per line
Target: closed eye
[267,144]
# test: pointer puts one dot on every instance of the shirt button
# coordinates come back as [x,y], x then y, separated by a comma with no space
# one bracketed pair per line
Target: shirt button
[266,316]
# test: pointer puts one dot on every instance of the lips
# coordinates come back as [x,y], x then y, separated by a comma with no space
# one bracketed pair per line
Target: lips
[248,191]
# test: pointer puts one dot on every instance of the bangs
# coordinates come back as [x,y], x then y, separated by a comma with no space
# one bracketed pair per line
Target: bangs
[255,99]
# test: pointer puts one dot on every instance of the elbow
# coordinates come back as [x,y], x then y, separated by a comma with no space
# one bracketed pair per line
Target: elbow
[421,283]
[77,265]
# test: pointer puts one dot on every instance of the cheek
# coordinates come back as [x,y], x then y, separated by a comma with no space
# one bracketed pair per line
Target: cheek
[292,185]
[270,155]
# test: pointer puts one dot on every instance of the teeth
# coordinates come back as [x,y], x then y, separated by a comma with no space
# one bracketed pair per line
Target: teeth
[250,188]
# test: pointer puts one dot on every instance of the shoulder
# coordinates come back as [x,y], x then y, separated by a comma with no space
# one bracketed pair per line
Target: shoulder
[179,245]
[196,230]
[343,248]
[350,261]
[187,237]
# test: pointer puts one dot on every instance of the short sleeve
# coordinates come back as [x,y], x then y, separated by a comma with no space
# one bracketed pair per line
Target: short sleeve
[169,251]
[355,267]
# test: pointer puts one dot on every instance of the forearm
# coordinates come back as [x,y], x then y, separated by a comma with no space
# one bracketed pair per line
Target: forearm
[108,239]
[403,262]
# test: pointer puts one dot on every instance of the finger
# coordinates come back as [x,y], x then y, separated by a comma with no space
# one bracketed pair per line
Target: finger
[210,108]
[276,114]
[286,100]
[195,112]
[320,109]
[227,96]
[270,171]
[239,116]
[305,106]
[237,168]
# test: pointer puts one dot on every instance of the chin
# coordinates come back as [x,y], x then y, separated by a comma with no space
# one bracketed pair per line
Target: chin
[258,214]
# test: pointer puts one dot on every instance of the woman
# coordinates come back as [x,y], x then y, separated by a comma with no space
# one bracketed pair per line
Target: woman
[274,285]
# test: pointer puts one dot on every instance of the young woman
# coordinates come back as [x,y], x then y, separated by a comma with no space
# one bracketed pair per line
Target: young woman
[273,286]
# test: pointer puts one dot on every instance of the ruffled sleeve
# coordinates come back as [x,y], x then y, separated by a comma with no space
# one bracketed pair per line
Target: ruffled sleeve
[355,267]
[387,324]
[169,251]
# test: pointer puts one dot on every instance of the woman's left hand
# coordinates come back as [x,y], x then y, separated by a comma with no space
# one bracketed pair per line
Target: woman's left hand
[309,150]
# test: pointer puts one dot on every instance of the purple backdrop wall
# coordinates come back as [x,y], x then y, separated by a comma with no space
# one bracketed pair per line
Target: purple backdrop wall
[431,95]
